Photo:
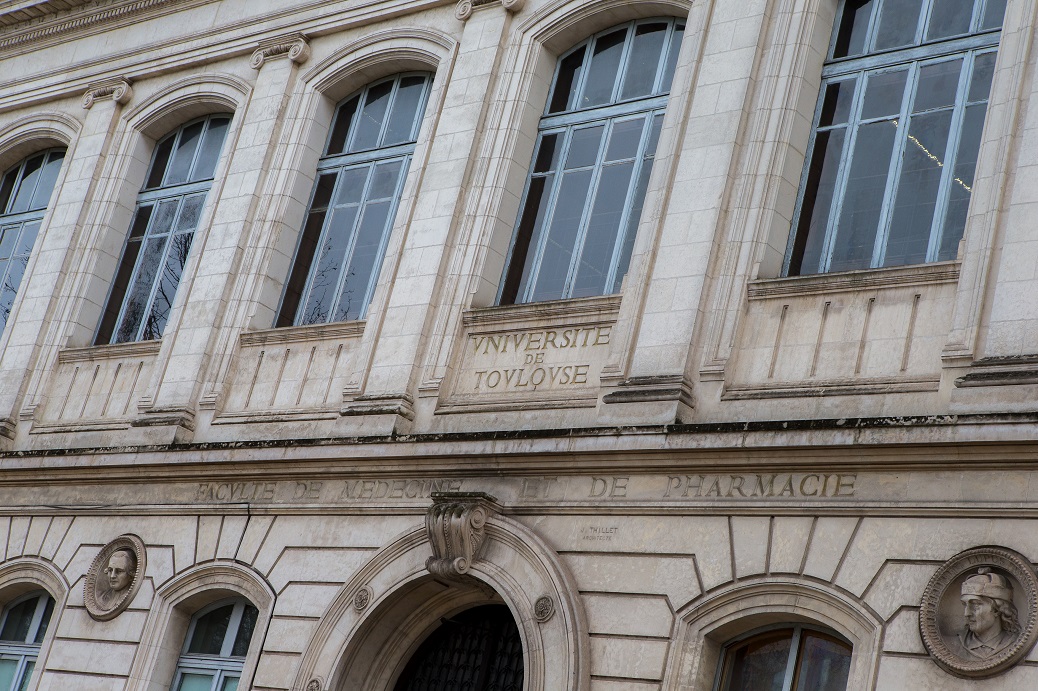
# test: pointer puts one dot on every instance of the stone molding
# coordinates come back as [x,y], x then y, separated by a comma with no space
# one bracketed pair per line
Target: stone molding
[465,8]
[118,89]
[456,526]
[103,601]
[296,48]
[854,281]
[944,629]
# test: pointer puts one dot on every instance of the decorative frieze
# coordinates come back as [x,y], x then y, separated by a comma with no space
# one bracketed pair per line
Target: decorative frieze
[455,523]
[296,48]
[119,90]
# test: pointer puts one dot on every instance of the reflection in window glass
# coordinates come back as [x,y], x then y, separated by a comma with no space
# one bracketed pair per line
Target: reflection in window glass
[594,153]
[888,178]
[786,659]
[24,194]
[157,247]
[25,623]
[217,643]
[359,182]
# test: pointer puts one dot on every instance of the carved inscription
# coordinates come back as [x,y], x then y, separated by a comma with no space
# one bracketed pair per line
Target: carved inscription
[761,486]
[316,491]
[527,361]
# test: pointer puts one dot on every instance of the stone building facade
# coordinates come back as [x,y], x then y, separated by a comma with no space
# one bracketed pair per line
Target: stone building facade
[700,335]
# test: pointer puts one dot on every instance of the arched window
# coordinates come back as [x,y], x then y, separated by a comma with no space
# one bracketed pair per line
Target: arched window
[24,194]
[168,210]
[897,131]
[790,658]
[590,170]
[359,182]
[217,642]
[22,630]
[479,648]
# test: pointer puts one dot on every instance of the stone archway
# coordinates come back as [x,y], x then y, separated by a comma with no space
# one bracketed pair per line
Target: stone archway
[392,604]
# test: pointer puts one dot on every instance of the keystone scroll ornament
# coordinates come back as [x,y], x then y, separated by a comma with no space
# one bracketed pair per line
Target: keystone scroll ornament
[455,523]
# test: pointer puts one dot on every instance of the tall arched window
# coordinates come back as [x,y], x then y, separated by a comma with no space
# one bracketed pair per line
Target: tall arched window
[897,132]
[168,210]
[791,658]
[22,630]
[217,643]
[595,148]
[25,192]
[359,181]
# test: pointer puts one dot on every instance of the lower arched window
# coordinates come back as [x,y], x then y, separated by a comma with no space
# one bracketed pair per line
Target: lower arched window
[217,642]
[786,658]
[479,648]
[22,630]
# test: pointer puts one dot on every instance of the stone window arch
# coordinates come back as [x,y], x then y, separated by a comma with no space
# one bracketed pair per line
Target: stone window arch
[33,591]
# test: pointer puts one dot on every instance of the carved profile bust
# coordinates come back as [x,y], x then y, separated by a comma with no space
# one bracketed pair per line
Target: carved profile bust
[114,577]
[979,613]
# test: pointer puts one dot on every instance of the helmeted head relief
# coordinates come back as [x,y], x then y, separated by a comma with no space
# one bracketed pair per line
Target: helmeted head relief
[987,584]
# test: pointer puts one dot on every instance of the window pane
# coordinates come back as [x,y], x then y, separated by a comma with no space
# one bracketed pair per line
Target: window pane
[195,682]
[921,168]
[584,146]
[938,84]
[983,71]
[949,18]
[245,629]
[343,120]
[566,83]
[27,184]
[601,76]
[172,270]
[994,13]
[210,630]
[850,40]
[824,664]
[27,238]
[27,675]
[9,290]
[229,684]
[405,111]
[884,93]
[603,227]
[569,209]
[119,287]
[817,204]
[18,621]
[863,197]
[672,59]
[307,247]
[898,22]
[528,235]
[47,180]
[209,153]
[158,166]
[836,106]
[331,255]
[184,154]
[962,181]
[644,59]
[547,155]
[8,669]
[625,139]
[7,187]
[8,240]
[140,292]
[45,620]
[759,665]
[369,124]
[366,254]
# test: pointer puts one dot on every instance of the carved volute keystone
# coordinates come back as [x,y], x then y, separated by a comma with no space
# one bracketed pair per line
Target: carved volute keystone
[118,90]
[979,613]
[455,523]
[464,8]
[296,48]
[114,577]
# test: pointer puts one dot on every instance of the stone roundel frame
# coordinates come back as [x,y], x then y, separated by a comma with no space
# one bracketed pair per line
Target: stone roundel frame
[123,542]
[950,574]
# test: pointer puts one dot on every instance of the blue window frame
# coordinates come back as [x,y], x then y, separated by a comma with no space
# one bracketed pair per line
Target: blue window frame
[24,625]
[890,168]
[359,182]
[595,147]
[25,192]
[217,642]
[168,211]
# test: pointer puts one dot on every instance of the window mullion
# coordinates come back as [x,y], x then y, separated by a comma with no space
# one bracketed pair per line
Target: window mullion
[621,68]
[578,87]
[232,630]
[897,158]
[542,242]
[951,155]
[394,91]
[873,28]
[585,217]
[791,662]
[842,173]
[37,614]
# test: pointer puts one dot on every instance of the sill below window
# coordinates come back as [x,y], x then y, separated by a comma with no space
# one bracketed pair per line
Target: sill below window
[843,281]
[112,351]
[598,307]
[310,332]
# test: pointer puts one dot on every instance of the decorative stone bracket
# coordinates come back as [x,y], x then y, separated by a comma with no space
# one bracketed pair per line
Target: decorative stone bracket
[464,9]
[455,523]
[296,48]
[117,89]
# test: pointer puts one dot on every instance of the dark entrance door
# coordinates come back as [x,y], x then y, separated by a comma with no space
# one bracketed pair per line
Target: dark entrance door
[476,650]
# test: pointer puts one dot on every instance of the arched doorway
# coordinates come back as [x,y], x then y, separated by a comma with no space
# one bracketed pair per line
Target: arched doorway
[478,649]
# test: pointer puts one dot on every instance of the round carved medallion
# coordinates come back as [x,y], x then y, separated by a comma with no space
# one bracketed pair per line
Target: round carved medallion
[114,577]
[979,612]
[315,685]
[362,598]
[543,608]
